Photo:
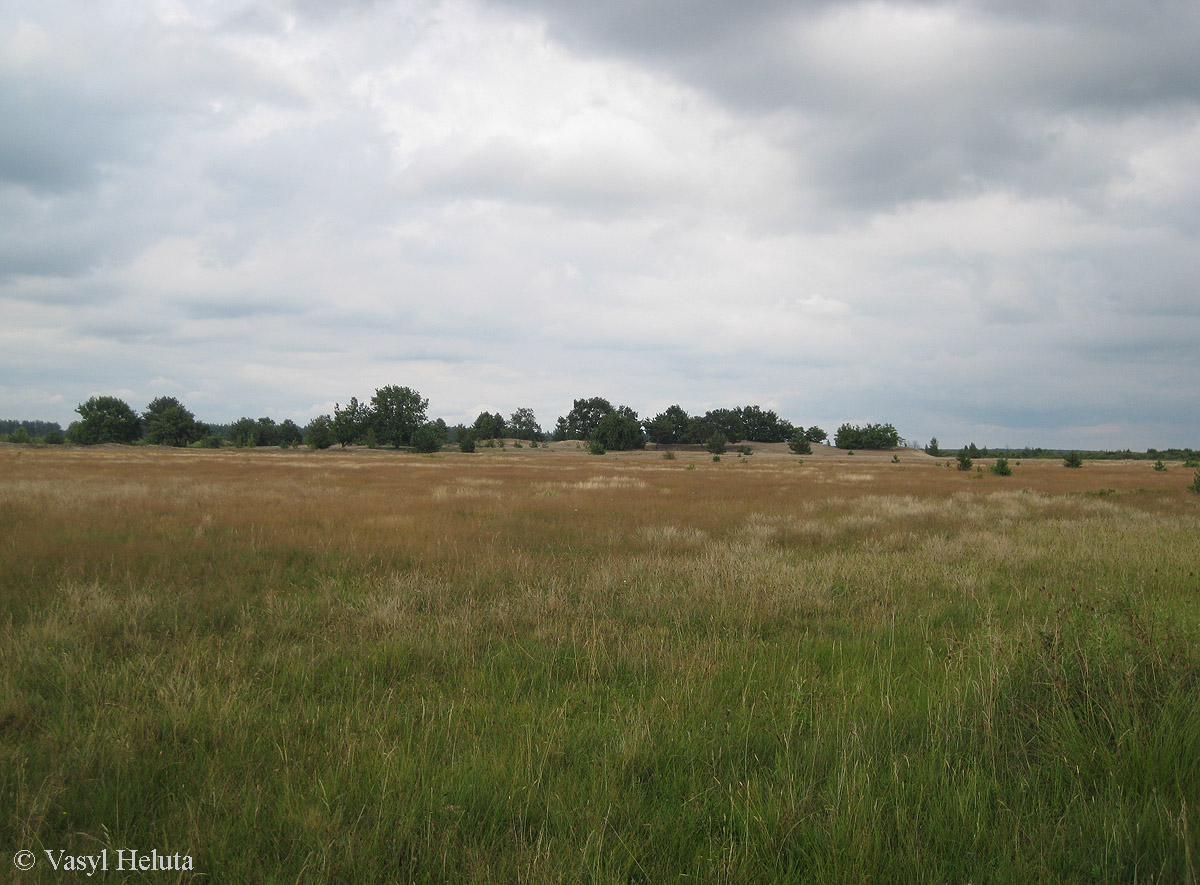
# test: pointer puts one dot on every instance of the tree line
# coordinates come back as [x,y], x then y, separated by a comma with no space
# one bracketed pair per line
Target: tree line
[397,416]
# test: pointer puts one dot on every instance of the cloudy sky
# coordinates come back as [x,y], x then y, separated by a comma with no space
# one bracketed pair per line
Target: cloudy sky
[975,220]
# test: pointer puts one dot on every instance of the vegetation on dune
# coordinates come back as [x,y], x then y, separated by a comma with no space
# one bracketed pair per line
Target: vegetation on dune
[345,667]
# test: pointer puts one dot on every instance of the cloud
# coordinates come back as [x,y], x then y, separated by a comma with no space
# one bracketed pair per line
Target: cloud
[949,215]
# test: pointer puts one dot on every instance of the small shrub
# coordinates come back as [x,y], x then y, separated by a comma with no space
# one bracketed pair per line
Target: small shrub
[1159,465]
[895,459]
[1001,468]
[426,439]
[1195,486]
[800,444]
[53,437]
[1190,462]
[745,450]
[1073,460]
[716,457]
[964,461]
[534,444]
[716,443]
[211,441]
[466,443]
[596,447]
[668,456]
[690,467]
[20,435]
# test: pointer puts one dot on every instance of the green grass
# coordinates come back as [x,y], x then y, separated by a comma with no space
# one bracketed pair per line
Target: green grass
[582,672]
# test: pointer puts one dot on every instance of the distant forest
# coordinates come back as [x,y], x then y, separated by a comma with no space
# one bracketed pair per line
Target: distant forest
[396,417]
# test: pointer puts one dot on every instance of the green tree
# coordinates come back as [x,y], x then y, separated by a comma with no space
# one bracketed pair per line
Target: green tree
[168,423]
[267,433]
[1001,468]
[669,427]
[523,424]
[1073,460]
[53,437]
[727,422]
[932,448]
[396,413]
[800,443]
[20,435]
[585,415]
[764,426]
[428,438]
[620,431]
[815,434]
[243,433]
[350,423]
[964,460]
[716,443]
[869,436]
[290,433]
[319,433]
[489,426]
[105,419]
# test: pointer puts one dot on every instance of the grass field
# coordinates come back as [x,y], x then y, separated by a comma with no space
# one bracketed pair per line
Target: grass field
[544,666]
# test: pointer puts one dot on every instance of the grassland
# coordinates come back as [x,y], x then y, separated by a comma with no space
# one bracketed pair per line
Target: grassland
[541,666]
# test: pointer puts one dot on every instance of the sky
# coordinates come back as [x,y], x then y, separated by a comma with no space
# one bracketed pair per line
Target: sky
[978,221]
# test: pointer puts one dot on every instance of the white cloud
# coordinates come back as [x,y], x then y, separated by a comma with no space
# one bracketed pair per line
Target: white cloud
[910,212]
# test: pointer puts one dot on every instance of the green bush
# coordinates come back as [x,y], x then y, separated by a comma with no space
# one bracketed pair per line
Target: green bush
[1195,486]
[1159,465]
[53,437]
[716,443]
[426,439]
[466,443]
[800,444]
[668,456]
[745,450]
[964,460]
[596,447]
[319,434]
[1001,468]
[20,435]
[1073,460]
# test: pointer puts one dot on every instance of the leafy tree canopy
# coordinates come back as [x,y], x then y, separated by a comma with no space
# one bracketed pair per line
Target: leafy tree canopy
[396,413]
[489,426]
[585,416]
[523,425]
[105,419]
[669,427]
[765,426]
[319,433]
[870,436]
[350,423]
[620,430]
[429,438]
[168,423]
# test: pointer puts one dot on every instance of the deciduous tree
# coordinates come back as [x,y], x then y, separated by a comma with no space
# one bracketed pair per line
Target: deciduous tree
[105,419]
[396,412]
[168,423]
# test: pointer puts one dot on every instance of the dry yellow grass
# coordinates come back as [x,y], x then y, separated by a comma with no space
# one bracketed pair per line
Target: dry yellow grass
[541,665]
